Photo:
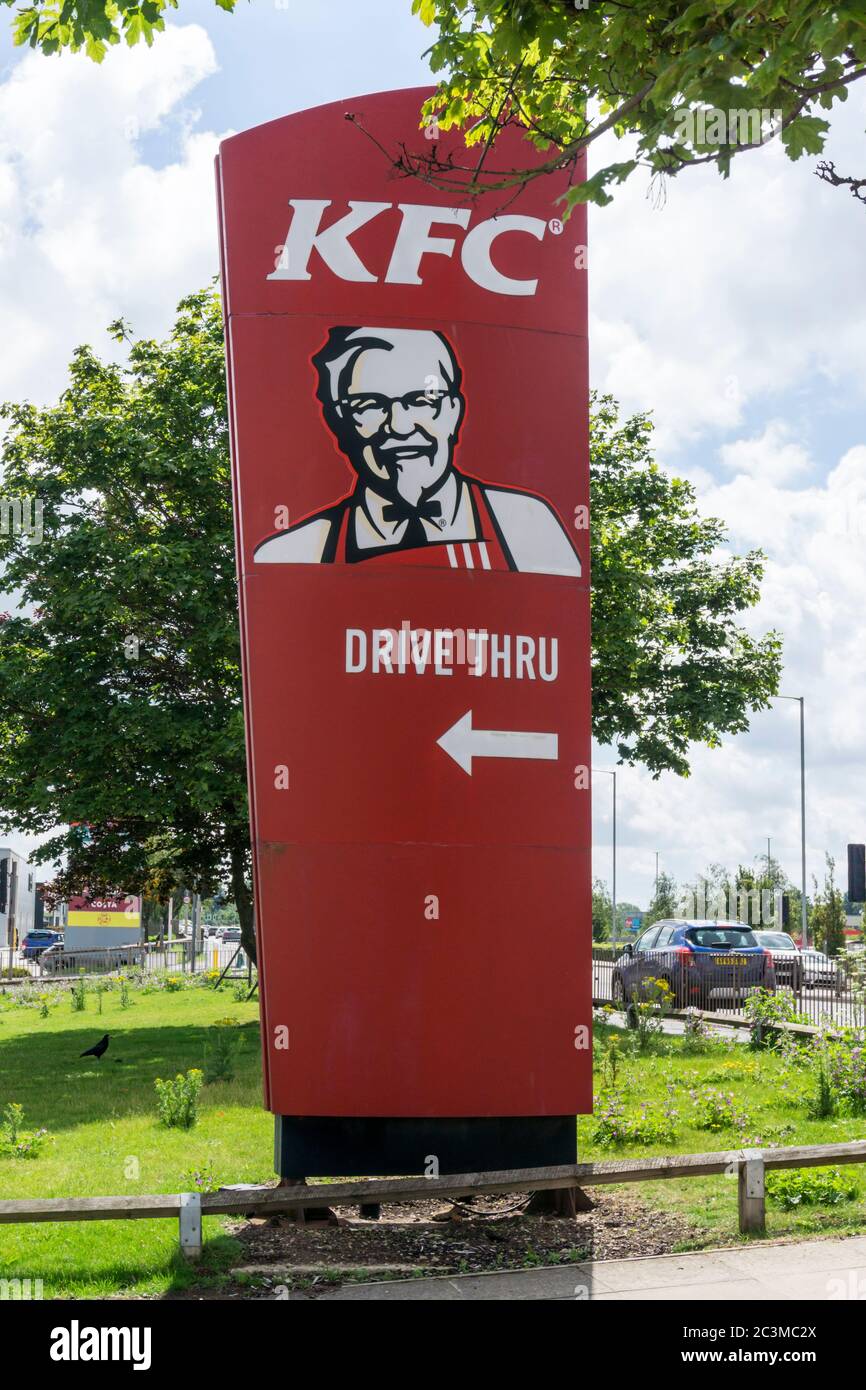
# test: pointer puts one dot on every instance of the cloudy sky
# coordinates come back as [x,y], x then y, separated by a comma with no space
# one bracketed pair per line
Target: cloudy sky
[734,312]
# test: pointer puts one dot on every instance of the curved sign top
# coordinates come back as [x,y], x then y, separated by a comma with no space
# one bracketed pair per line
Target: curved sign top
[321,222]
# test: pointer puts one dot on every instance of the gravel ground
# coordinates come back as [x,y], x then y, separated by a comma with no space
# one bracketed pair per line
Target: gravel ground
[435,1238]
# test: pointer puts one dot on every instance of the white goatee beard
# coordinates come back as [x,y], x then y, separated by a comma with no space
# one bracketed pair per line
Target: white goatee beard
[412,476]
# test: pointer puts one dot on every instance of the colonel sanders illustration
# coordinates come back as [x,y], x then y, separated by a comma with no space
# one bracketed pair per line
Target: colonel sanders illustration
[393,400]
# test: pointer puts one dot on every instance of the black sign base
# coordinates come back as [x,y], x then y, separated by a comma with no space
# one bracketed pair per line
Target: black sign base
[336,1146]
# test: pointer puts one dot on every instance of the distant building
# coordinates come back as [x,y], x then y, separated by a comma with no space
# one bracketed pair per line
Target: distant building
[17,898]
[49,916]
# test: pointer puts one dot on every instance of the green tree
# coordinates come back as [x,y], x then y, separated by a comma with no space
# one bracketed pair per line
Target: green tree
[666,901]
[601,911]
[657,70]
[827,920]
[120,690]
[91,25]
[755,892]
[219,913]
[670,665]
[711,893]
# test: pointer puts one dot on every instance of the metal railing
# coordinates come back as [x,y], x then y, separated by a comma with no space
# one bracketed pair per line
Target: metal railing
[822,994]
[147,958]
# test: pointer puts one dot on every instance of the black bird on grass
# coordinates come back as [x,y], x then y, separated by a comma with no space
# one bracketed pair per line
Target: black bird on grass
[97,1049]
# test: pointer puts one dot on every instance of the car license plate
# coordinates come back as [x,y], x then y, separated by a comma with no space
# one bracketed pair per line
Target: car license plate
[730,960]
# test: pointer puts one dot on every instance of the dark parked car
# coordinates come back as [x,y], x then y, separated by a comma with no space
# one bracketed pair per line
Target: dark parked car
[38,940]
[697,959]
[787,957]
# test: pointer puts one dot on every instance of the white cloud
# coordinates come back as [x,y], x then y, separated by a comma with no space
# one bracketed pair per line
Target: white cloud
[89,229]
[813,592]
[772,456]
[731,289]
[736,300]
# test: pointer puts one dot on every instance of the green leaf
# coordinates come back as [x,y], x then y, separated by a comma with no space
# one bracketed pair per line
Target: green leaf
[425,9]
[805,135]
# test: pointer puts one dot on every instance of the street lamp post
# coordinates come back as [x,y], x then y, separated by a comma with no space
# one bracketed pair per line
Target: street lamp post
[804,919]
[609,772]
[773,919]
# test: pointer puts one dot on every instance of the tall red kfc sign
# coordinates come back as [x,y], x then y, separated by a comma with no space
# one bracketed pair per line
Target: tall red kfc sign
[409,420]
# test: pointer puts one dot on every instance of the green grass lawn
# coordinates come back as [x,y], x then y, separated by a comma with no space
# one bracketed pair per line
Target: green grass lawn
[768,1093]
[106,1138]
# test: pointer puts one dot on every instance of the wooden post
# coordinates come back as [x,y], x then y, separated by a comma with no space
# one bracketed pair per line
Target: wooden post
[190,1225]
[751,1192]
[305,1216]
[559,1201]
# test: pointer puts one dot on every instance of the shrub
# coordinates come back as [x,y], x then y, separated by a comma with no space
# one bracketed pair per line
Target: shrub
[764,1009]
[649,1126]
[696,1035]
[15,1141]
[78,995]
[846,1076]
[177,1100]
[647,1011]
[30,1143]
[200,1179]
[13,1121]
[223,1041]
[716,1111]
[823,1102]
[807,1187]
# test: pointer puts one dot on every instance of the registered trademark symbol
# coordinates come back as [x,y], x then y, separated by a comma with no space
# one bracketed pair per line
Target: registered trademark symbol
[555,226]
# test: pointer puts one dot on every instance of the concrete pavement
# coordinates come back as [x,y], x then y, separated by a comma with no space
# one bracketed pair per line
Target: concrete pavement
[814,1270]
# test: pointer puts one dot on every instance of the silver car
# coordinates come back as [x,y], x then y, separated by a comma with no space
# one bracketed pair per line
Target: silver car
[787,958]
[820,969]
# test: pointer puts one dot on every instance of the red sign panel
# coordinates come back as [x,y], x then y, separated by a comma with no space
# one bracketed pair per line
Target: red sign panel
[408,379]
[113,904]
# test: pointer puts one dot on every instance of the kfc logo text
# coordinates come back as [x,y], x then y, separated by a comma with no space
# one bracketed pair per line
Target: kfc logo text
[415,238]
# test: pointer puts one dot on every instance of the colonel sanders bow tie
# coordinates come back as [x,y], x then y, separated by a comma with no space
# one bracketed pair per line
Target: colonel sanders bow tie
[402,511]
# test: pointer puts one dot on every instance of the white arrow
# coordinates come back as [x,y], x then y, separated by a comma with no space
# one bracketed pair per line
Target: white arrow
[463,743]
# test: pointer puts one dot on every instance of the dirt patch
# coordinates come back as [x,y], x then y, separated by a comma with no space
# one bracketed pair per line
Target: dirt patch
[488,1233]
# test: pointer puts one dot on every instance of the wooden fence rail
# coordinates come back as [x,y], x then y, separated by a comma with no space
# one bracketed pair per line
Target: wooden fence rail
[748,1166]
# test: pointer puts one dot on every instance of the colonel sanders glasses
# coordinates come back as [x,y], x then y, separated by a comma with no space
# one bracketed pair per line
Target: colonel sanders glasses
[371,412]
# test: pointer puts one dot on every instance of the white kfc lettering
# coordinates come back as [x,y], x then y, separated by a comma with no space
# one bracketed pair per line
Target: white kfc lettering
[477,247]
[412,243]
[413,240]
[332,244]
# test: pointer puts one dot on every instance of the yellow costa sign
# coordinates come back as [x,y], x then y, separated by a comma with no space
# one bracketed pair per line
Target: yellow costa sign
[104,919]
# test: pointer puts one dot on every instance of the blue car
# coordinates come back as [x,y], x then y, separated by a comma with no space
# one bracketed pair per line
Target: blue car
[38,940]
[697,959]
